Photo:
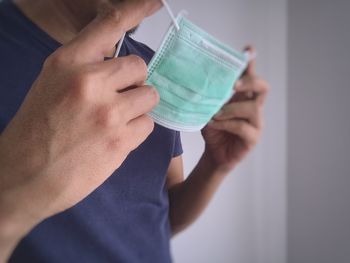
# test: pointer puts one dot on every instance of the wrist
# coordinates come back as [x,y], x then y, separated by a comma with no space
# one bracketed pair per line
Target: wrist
[17,216]
[212,167]
[15,222]
[13,227]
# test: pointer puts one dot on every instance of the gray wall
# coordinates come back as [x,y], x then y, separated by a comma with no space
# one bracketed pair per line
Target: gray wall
[246,221]
[319,130]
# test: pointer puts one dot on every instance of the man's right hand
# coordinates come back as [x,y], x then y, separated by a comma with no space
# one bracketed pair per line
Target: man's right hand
[78,123]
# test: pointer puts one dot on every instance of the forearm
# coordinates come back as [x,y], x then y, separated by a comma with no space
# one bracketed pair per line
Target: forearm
[16,217]
[6,248]
[15,221]
[189,198]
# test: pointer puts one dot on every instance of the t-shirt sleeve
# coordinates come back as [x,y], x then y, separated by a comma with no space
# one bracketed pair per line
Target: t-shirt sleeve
[177,145]
[134,47]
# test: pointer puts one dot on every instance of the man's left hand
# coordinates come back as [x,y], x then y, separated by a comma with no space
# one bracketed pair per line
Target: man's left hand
[236,129]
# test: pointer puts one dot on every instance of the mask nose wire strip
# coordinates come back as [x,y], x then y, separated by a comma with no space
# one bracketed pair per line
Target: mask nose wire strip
[119,47]
[171,14]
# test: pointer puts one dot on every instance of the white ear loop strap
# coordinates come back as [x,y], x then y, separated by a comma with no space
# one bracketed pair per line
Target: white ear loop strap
[119,47]
[171,14]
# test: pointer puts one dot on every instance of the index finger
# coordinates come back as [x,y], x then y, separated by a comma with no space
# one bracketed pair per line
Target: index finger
[98,38]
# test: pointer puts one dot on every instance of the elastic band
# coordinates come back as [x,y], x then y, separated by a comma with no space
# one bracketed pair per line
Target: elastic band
[171,14]
[119,47]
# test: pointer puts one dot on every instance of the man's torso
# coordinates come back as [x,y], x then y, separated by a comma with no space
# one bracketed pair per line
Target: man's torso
[124,220]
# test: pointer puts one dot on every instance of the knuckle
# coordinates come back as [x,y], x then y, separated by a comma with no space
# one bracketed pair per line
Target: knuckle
[120,116]
[124,107]
[250,145]
[264,85]
[255,138]
[258,120]
[255,81]
[226,125]
[233,110]
[140,65]
[55,60]
[82,83]
[153,94]
[104,116]
[241,127]
[146,127]
[149,125]
[249,141]
[257,108]
[110,13]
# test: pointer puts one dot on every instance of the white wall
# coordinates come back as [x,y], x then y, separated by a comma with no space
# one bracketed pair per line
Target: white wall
[319,129]
[245,223]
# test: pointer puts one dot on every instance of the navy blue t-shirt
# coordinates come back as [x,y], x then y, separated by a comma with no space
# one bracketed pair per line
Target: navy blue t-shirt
[124,220]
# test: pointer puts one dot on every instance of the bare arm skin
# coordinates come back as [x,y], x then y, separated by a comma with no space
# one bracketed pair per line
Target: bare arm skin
[189,198]
[232,134]
[77,111]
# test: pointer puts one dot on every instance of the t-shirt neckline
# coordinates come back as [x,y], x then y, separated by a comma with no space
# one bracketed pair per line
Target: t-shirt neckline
[40,34]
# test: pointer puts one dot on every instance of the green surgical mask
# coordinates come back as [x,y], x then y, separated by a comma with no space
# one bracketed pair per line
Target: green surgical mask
[194,74]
